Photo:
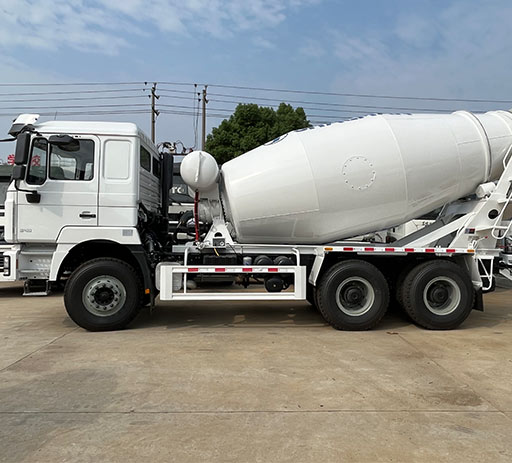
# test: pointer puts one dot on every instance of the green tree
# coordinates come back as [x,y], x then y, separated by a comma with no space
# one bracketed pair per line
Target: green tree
[251,126]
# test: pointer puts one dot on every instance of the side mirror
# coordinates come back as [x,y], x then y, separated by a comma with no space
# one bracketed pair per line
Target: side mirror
[22,148]
[64,142]
[33,197]
[18,172]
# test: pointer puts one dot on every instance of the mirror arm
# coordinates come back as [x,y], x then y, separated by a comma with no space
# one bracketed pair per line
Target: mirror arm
[21,189]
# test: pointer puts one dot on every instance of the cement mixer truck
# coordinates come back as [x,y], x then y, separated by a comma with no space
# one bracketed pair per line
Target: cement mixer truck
[88,206]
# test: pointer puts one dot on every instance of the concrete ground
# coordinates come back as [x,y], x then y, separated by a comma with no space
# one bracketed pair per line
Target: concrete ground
[254,382]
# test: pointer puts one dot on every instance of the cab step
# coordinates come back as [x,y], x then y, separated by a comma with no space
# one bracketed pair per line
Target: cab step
[36,288]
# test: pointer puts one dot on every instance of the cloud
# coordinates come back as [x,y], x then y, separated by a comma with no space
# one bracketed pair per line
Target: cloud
[262,42]
[53,24]
[312,49]
[106,26]
[359,49]
[459,50]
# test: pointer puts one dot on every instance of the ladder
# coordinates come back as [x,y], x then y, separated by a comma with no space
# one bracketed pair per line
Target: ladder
[504,186]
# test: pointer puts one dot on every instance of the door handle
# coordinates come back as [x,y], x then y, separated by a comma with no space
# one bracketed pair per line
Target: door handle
[87,215]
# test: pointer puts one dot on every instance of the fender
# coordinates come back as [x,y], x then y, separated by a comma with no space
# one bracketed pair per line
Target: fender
[317,266]
[70,237]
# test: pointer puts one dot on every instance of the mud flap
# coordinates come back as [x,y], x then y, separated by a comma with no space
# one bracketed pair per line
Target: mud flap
[479,301]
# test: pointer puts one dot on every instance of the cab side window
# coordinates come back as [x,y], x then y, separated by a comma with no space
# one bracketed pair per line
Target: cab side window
[36,174]
[145,159]
[156,167]
[76,163]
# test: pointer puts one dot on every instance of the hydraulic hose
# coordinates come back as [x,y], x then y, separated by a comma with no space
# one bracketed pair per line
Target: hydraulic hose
[196,214]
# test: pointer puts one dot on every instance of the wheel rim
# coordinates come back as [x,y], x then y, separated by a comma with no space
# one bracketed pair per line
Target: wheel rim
[442,296]
[355,296]
[104,296]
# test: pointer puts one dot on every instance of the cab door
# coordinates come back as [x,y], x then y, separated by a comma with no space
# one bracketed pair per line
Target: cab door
[66,179]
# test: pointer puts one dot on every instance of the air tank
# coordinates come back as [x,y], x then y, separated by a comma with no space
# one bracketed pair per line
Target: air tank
[318,185]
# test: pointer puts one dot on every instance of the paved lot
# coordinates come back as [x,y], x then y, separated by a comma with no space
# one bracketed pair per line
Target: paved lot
[252,382]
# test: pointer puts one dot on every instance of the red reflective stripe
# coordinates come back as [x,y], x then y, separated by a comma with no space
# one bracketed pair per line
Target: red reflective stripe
[194,269]
[369,249]
[409,249]
[348,249]
[430,250]
[273,269]
[390,249]
[220,269]
[450,250]
[247,269]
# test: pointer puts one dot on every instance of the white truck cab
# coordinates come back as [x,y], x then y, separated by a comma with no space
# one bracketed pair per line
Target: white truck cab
[80,187]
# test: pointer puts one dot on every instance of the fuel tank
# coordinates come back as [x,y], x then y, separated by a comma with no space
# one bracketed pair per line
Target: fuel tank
[318,185]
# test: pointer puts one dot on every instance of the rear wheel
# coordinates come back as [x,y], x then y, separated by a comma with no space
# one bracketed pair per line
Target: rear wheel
[103,294]
[353,295]
[438,295]
[399,284]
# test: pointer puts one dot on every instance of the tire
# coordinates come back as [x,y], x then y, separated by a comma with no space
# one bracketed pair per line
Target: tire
[438,295]
[353,295]
[400,284]
[103,294]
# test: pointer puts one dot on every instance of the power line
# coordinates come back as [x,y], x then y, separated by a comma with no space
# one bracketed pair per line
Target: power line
[354,95]
[186,92]
[91,98]
[335,105]
[230,111]
[260,89]
[75,92]
[131,105]
[340,105]
[30,108]
[69,84]
[176,97]
[361,95]
[86,113]
[394,108]
[184,113]
[181,83]
[188,107]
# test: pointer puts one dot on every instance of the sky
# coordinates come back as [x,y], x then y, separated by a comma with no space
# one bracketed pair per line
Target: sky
[401,48]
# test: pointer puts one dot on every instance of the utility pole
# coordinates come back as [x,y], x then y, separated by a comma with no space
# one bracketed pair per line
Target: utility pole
[205,101]
[154,111]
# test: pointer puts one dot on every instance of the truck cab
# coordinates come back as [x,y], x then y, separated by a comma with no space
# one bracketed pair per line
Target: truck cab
[78,189]
[5,179]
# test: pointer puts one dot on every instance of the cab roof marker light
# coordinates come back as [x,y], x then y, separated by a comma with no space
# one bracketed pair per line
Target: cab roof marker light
[22,121]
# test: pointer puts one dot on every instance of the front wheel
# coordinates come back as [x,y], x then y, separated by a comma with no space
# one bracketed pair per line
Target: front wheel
[353,295]
[103,294]
[438,295]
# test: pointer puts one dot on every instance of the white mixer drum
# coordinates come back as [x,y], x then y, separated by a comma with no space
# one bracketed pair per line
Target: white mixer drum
[318,185]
